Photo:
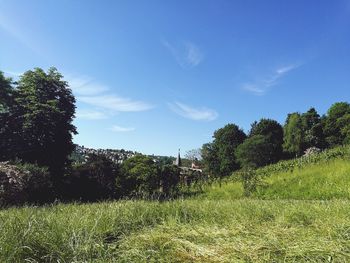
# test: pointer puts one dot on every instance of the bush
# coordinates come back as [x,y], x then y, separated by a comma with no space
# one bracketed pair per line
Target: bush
[170,180]
[24,183]
[91,181]
[139,177]
[256,151]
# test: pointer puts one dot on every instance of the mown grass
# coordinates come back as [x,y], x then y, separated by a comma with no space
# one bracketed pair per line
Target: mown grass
[299,216]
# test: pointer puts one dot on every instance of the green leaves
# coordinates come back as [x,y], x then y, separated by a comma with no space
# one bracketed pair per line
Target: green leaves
[255,152]
[39,122]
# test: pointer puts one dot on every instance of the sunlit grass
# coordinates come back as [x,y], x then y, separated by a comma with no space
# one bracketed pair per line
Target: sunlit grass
[179,231]
[302,216]
[317,181]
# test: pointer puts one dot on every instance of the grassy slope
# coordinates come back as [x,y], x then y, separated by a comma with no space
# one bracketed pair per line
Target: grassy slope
[219,226]
[317,181]
[322,181]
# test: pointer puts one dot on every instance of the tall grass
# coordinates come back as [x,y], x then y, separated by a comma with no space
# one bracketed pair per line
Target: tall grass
[300,215]
[178,231]
[317,181]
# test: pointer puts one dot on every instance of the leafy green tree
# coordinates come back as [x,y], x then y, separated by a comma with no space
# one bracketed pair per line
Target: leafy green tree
[256,151]
[313,130]
[294,134]
[6,93]
[334,124]
[344,124]
[226,141]
[170,180]
[10,128]
[210,159]
[139,177]
[45,107]
[165,160]
[273,133]
[91,181]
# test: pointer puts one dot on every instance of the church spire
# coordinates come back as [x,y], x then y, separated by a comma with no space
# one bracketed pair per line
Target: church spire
[178,159]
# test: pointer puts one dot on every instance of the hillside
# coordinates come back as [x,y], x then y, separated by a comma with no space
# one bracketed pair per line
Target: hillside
[297,216]
[318,177]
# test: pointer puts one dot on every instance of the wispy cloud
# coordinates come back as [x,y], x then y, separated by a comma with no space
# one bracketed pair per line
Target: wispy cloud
[95,94]
[286,69]
[7,24]
[91,115]
[254,88]
[117,128]
[198,114]
[187,54]
[115,103]
[85,86]
[262,85]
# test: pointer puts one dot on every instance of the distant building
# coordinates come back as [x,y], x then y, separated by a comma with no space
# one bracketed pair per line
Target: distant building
[194,167]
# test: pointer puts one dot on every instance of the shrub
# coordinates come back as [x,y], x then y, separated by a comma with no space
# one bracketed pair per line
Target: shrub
[170,179]
[256,151]
[24,183]
[139,177]
[91,181]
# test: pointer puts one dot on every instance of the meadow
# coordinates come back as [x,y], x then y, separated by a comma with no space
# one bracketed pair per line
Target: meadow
[296,215]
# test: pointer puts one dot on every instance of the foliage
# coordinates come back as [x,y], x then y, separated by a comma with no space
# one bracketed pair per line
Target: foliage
[210,158]
[268,128]
[344,125]
[9,128]
[272,131]
[335,126]
[297,163]
[24,183]
[249,181]
[165,160]
[254,152]
[170,180]
[45,108]
[138,177]
[6,92]
[252,179]
[219,156]
[313,130]
[91,181]
[294,135]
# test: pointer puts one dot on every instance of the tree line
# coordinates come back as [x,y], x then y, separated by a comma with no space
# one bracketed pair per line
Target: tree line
[268,141]
[36,115]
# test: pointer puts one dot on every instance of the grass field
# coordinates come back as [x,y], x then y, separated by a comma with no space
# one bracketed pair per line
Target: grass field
[299,216]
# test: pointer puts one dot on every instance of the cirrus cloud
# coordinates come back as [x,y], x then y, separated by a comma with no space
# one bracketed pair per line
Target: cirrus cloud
[189,112]
[187,54]
[91,115]
[93,93]
[117,128]
[262,85]
[115,103]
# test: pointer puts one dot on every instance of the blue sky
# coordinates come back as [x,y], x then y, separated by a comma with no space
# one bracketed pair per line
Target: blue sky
[155,76]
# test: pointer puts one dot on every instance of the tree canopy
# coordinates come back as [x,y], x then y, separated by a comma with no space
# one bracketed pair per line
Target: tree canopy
[272,131]
[335,123]
[226,140]
[255,151]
